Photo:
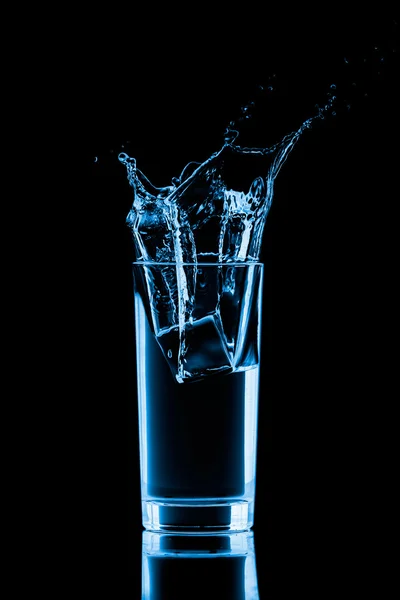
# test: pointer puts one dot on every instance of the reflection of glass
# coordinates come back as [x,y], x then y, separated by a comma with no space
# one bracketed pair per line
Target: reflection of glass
[198,393]
[182,566]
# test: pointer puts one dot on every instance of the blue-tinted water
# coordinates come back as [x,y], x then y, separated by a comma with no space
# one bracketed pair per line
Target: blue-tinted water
[198,439]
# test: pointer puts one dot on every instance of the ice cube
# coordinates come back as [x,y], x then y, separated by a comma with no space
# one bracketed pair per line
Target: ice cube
[205,349]
[240,313]
[246,354]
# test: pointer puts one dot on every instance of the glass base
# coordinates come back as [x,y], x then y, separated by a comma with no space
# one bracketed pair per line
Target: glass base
[198,517]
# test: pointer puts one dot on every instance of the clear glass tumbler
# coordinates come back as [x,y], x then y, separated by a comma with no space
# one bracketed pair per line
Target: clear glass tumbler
[197,330]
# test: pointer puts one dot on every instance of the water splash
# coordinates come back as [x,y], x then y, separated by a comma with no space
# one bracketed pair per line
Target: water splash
[203,216]
[208,213]
[172,223]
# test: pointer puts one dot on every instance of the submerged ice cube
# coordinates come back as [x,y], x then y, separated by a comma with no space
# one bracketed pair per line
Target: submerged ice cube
[205,349]
[240,313]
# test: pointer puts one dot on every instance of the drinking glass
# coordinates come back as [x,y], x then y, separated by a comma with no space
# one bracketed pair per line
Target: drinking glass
[197,333]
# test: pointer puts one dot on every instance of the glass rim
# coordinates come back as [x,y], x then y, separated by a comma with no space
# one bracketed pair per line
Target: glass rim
[151,263]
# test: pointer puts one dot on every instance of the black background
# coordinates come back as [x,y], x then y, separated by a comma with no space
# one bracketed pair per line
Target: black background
[164,92]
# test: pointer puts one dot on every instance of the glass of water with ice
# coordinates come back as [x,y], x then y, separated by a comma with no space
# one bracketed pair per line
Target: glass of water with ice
[198,295]
[198,395]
